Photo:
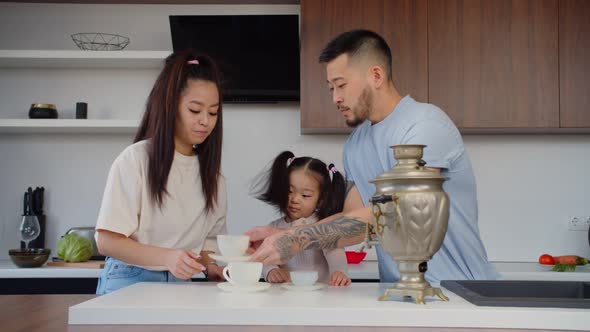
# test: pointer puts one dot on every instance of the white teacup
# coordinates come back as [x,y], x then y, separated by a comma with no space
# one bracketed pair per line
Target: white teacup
[243,273]
[304,278]
[233,245]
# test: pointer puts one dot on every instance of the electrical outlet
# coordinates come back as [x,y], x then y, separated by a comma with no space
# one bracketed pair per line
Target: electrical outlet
[579,223]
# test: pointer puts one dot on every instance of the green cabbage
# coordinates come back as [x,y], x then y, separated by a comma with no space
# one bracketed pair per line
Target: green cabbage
[74,248]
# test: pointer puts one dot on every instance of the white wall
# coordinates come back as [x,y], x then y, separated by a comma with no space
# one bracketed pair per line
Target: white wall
[528,186]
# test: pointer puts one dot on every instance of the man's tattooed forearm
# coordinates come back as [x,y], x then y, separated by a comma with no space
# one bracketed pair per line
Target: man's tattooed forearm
[326,235]
[284,245]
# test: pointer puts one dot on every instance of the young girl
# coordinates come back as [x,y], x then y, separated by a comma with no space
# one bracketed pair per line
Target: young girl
[305,190]
[165,199]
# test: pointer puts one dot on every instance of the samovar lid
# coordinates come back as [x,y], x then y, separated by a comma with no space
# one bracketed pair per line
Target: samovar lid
[409,165]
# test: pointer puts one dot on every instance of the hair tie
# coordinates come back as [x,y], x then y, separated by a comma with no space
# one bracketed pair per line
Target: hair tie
[332,169]
[193,62]
[289,161]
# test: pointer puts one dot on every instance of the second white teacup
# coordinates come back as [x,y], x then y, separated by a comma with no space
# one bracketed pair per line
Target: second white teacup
[304,278]
[243,273]
[233,245]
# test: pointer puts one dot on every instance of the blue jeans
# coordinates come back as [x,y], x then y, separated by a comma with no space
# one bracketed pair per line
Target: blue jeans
[117,274]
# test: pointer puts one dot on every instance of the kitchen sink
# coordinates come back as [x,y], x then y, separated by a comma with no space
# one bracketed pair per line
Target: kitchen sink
[522,293]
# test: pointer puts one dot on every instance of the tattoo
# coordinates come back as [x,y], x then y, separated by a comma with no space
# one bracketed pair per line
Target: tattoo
[284,245]
[319,236]
[327,235]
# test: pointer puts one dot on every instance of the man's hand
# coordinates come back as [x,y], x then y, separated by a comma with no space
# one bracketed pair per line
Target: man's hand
[277,276]
[258,234]
[276,249]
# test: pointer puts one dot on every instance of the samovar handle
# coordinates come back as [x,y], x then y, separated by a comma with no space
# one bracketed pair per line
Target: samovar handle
[377,213]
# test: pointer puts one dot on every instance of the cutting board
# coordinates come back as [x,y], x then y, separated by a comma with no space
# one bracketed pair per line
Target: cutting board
[81,265]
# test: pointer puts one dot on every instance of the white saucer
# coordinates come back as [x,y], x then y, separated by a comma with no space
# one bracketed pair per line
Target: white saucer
[291,287]
[261,286]
[227,259]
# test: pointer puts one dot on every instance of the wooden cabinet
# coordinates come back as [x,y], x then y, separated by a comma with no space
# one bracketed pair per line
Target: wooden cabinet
[401,22]
[494,63]
[514,66]
[574,63]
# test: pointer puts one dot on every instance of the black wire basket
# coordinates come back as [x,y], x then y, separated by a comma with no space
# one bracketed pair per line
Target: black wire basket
[96,41]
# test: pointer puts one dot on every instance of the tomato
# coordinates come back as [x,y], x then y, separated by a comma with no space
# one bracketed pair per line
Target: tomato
[546,260]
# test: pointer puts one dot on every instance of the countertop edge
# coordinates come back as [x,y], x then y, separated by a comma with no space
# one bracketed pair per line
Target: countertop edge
[366,270]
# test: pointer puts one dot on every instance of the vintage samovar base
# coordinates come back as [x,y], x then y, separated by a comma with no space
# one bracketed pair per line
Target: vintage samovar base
[412,283]
[417,294]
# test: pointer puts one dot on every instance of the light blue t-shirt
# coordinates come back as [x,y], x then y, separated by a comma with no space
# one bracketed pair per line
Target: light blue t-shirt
[367,153]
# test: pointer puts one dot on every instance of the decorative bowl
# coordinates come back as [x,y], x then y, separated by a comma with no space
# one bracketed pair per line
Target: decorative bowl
[43,111]
[353,257]
[96,41]
[29,257]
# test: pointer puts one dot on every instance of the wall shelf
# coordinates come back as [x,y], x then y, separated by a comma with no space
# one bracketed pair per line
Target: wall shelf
[67,126]
[81,59]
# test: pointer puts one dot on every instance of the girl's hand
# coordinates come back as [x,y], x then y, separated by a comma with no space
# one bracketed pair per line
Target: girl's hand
[277,275]
[183,263]
[215,273]
[339,279]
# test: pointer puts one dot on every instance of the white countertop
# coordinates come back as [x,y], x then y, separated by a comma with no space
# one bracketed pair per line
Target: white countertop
[9,270]
[356,305]
[366,270]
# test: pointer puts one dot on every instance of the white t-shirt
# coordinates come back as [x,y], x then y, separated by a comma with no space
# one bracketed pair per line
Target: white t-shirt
[181,223]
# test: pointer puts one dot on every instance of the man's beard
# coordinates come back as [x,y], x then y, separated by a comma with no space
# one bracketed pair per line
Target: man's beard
[362,109]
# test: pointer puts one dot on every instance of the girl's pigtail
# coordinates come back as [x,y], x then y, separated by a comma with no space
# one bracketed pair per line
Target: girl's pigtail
[336,193]
[274,187]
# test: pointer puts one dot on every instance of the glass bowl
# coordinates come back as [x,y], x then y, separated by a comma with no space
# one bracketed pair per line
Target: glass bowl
[29,257]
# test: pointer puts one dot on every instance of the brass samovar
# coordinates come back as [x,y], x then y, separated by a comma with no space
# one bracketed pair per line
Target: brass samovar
[410,218]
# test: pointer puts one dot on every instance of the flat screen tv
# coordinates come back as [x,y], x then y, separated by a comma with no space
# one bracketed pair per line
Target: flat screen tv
[257,54]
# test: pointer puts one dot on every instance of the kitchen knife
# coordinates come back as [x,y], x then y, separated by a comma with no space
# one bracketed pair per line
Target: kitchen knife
[41,193]
[34,201]
[37,201]
[30,207]
[26,204]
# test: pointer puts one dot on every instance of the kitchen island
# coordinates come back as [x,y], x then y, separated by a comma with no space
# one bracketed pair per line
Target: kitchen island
[356,305]
[203,307]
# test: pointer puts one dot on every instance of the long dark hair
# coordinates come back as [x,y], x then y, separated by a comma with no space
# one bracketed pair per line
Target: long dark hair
[272,186]
[159,119]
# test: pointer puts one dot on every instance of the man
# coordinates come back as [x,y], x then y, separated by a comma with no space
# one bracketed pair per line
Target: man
[359,75]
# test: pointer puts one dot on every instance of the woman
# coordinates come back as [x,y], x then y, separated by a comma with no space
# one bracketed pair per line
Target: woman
[165,199]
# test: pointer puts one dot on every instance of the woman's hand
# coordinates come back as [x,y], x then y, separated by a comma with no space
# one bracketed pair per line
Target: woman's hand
[339,279]
[277,275]
[214,272]
[183,263]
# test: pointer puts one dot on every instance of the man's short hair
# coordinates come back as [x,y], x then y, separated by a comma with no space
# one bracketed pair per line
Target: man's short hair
[356,44]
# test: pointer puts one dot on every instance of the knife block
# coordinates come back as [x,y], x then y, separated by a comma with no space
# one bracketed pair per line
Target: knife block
[39,242]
